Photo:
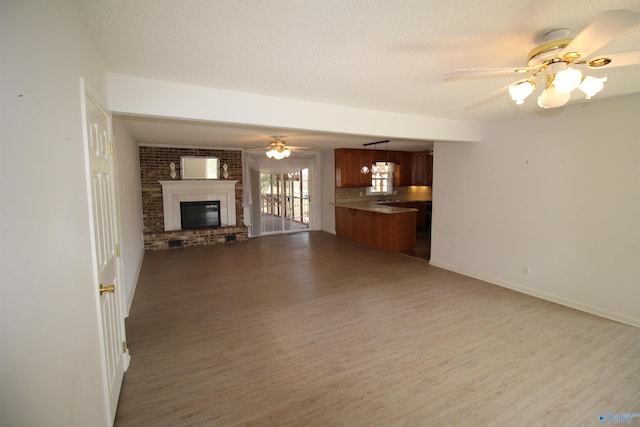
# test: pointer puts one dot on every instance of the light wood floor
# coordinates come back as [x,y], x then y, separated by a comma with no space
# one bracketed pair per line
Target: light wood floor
[311,330]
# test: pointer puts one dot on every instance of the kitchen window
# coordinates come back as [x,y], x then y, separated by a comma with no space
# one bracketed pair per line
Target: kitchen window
[381,179]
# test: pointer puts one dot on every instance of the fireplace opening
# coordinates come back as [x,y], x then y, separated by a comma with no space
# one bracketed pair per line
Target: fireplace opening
[205,214]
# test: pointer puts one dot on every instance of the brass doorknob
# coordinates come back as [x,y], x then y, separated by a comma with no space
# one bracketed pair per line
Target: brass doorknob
[108,288]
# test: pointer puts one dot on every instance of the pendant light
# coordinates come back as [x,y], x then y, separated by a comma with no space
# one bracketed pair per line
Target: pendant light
[375,169]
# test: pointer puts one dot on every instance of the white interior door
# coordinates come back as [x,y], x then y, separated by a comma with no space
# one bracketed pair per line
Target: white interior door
[105,232]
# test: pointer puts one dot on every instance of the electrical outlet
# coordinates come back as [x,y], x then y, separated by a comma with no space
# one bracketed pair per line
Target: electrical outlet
[525,270]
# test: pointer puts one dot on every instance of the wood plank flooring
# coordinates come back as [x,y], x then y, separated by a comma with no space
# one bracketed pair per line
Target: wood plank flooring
[309,329]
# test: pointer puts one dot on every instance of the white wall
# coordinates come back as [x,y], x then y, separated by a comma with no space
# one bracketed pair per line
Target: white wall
[50,363]
[558,192]
[130,208]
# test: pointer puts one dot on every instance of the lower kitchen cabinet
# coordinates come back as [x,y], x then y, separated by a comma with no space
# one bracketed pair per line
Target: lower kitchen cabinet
[389,231]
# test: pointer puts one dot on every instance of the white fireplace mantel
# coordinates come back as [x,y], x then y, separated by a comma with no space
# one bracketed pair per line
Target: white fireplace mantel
[174,192]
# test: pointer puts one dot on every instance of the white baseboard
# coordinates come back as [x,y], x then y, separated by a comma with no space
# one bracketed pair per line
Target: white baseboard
[134,284]
[598,311]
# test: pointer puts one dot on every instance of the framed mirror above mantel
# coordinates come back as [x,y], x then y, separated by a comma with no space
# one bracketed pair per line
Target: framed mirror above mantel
[192,167]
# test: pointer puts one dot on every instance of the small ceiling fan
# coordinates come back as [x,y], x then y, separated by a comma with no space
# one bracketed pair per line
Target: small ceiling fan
[556,64]
[278,149]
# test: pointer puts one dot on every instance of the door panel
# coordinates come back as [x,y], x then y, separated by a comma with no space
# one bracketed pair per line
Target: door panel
[101,171]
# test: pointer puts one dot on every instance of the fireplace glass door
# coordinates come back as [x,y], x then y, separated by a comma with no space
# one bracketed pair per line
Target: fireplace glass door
[204,214]
[284,202]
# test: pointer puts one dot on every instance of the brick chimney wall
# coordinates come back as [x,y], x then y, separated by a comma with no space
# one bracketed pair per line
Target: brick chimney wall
[154,167]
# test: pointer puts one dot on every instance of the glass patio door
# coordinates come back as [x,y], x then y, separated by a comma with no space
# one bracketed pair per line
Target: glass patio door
[284,202]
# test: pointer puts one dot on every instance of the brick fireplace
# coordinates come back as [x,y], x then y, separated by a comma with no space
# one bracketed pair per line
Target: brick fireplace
[154,169]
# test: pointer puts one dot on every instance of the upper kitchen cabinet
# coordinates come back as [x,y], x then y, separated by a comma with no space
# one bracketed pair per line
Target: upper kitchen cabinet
[430,169]
[349,163]
[404,176]
[422,168]
[411,168]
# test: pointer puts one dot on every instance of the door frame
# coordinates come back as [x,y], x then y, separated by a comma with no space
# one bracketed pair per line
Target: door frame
[251,190]
[286,204]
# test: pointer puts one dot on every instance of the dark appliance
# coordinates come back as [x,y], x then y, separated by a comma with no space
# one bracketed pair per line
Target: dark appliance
[428,209]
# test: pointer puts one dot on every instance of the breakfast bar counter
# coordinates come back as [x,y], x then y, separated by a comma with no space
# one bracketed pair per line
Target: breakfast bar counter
[383,226]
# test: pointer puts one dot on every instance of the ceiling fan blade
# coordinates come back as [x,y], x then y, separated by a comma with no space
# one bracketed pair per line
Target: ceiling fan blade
[604,29]
[488,97]
[483,73]
[621,59]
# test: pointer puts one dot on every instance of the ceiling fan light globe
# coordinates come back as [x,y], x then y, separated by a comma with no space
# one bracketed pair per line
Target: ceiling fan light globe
[567,80]
[520,90]
[592,85]
[551,98]
[275,154]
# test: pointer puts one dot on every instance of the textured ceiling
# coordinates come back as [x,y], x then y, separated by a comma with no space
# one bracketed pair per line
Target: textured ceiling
[387,55]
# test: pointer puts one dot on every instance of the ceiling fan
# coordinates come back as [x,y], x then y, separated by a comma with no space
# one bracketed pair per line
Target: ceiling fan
[556,64]
[278,149]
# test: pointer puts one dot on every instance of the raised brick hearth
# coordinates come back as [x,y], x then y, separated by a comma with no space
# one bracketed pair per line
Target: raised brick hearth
[154,167]
[191,238]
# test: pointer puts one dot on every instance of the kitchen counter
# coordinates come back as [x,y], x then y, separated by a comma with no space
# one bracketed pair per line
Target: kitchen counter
[383,226]
[378,207]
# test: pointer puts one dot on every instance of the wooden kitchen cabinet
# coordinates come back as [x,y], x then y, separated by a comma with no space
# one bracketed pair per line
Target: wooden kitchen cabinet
[405,175]
[348,163]
[391,232]
[422,170]
[411,168]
